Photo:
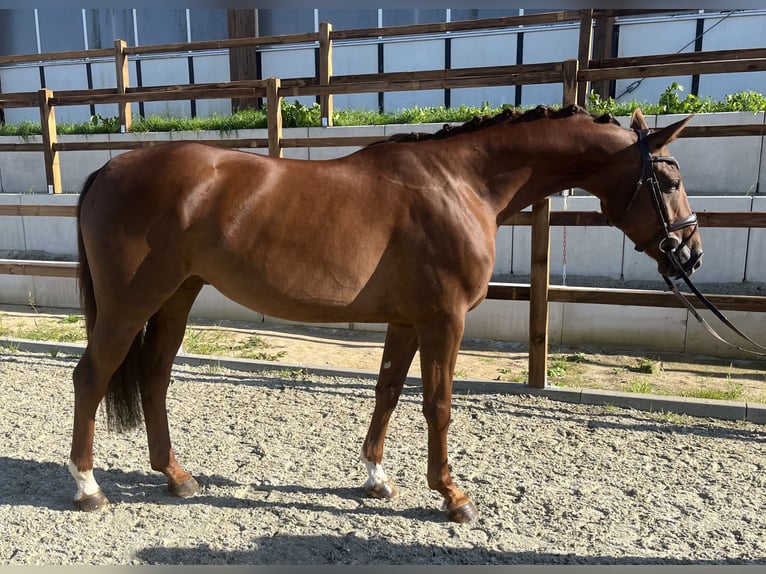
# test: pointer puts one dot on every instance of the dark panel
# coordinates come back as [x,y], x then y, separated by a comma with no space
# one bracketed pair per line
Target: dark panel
[398,17]
[478,13]
[208,25]
[349,19]
[161,26]
[276,22]
[107,25]
[60,30]
[17,32]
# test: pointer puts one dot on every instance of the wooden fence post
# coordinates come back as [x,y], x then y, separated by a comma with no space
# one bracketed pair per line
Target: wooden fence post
[51,156]
[325,71]
[571,90]
[540,271]
[274,116]
[539,283]
[584,51]
[123,81]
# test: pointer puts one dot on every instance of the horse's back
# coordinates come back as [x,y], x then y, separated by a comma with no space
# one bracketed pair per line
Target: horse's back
[348,239]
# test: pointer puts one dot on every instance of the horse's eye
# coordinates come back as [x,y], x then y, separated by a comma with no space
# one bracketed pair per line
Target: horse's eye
[674,183]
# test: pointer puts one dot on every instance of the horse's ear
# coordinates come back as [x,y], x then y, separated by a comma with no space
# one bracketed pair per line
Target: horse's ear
[667,134]
[637,121]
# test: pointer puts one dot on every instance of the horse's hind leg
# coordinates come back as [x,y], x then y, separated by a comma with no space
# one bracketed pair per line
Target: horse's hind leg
[398,352]
[107,347]
[164,334]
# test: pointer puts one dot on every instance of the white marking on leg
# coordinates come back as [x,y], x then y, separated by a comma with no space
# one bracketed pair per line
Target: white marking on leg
[375,473]
[387,365]
[86,484]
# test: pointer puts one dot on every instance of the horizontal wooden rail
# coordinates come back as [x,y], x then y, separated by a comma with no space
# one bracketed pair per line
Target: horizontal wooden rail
[736,219]
[54,56]
[496,291]
[39,268]
[457,26]
[708,219]
[707,56]
[206,45]
[627,297]
[672,69]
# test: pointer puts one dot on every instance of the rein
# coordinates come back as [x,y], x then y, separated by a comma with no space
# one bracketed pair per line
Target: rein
[669,245]
[674,288]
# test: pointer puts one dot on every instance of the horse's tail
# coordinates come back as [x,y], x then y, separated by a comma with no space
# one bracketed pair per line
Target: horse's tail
[123,397]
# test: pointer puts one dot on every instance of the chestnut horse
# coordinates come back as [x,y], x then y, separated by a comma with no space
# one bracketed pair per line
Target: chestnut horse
[401,232]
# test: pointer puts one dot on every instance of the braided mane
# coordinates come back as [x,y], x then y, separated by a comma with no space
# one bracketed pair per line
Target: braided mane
[508,115]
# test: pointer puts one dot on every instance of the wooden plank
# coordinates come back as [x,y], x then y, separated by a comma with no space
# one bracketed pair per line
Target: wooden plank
[51,156]
[673,69]
[136,144]
[243,62]
[53,56]
[458,25]
[584,49]
[538,294]
[325,71]
[733,130]
[19,100]
[39,268]
[340,141]
[123,82]
[474,72]
[21,146]
[211,90]
[726,219]
[204,45]
[386,85]
[570,85]
[42,210]
[625,297]
[274,110]
[687,57]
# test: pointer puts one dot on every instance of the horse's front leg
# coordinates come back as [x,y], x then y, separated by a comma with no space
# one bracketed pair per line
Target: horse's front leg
[439,345]
[398,352]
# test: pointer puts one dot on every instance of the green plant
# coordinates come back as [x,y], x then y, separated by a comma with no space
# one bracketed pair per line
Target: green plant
[647,366]
[640,386]
[670,103]
[745,101]
[731,393]
[508,374]
[294,374]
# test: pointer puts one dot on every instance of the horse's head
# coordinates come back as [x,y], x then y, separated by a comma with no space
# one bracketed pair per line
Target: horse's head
[654,211]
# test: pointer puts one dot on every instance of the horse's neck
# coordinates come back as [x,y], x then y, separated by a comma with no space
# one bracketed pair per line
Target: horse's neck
[530,162]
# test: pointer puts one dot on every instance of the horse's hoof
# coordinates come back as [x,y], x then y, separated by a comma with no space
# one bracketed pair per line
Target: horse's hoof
[92,502]
[463,514]
[381,490]
[186,489]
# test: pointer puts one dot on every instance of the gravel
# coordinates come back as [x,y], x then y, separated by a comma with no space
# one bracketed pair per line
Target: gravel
[277,455]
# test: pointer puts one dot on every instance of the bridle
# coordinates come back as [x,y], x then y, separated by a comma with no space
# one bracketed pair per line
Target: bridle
[670,245]
[667,242]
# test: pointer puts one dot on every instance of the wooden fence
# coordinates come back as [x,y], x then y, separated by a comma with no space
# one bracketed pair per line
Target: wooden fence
[574,75]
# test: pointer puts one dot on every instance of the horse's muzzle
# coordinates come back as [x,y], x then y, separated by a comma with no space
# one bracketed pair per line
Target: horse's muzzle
[681,260]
